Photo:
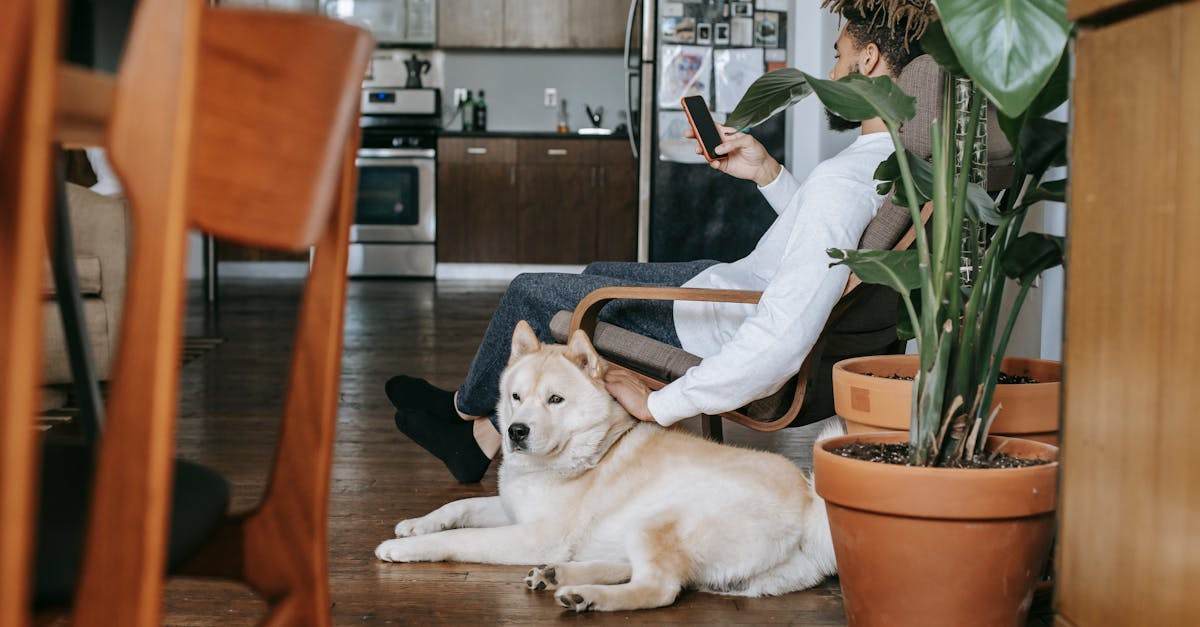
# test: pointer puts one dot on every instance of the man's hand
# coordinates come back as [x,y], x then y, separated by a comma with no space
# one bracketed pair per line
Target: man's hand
[745,157]
[629,391]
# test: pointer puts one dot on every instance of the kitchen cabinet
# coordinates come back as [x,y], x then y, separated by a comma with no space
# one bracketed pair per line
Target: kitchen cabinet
[556,220]
[597,23]
[616,202]
[477,200]
[471,23]
[525,24]
[535,24]
[536,200]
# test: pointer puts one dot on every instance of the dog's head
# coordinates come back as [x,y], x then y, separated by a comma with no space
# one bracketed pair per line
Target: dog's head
[554,410]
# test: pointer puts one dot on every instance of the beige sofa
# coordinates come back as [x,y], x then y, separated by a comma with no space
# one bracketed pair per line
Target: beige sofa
[100,229]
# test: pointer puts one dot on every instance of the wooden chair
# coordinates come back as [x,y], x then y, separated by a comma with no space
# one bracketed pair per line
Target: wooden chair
[29,44]
[195,129]
[862,322]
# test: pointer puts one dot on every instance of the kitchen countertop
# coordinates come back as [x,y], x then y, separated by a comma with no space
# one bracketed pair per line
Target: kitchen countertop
[529,134]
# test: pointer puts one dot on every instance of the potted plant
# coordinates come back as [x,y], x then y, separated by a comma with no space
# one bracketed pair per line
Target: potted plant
[947,534]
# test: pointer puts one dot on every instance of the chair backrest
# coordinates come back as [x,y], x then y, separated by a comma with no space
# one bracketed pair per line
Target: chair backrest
[924,79]
[190,139]
[29,48]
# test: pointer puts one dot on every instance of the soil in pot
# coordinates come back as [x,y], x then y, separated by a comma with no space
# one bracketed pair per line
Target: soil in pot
[898,453]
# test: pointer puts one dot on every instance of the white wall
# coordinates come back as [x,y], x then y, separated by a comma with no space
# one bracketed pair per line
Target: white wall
[813,32]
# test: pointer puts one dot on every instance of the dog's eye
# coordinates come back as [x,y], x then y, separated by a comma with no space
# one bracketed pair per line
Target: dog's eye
[555,399]
[516,397]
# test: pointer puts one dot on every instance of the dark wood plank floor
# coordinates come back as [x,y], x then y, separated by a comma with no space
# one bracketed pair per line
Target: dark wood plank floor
[231,398]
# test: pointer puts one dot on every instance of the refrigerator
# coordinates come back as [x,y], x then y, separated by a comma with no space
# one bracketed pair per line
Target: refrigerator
[715,48]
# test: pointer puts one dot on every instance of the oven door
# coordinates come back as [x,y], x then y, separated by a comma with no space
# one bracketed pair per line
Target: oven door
[395,201]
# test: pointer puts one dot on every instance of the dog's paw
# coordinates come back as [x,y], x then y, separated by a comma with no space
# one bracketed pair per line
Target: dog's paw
[542,578]
[418,527]
[574,599]
[397,551]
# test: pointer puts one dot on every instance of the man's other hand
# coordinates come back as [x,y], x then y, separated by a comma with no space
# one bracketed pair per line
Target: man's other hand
[745,157]
[629,391]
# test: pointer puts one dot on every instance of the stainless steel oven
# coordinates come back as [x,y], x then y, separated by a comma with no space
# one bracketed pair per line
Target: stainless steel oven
[395,212]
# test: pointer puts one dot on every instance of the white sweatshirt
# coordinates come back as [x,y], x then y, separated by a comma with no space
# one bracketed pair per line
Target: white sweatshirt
[750,351]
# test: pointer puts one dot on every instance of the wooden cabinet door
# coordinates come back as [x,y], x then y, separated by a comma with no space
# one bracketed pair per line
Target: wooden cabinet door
[556,216]
[477,200]
[535,24]
[616,202]
[598,23]
[470,23]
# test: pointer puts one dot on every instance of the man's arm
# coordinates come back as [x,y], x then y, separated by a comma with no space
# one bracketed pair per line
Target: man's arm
[746,158]
[769,347]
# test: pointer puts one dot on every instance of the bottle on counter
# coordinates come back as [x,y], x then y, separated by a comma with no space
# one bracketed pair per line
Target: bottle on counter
[468,112]
[479,113]
[563,126]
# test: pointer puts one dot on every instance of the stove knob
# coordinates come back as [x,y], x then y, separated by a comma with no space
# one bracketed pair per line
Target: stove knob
[397,142]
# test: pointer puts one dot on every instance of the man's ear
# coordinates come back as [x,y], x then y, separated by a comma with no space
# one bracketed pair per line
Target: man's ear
[870,61]
[581,352]
[524,341]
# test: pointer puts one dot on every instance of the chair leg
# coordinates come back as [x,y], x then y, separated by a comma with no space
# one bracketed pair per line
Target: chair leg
[712,428]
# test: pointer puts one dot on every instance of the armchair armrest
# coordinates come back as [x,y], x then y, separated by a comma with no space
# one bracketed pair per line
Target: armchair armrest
[586,312]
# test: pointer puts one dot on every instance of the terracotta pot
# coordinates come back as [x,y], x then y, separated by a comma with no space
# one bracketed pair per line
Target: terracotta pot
[877,403]
[938,546]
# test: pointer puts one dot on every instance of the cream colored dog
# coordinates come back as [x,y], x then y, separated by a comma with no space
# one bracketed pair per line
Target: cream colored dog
[623,514]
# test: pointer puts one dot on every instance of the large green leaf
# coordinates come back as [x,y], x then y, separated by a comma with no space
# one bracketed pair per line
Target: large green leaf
[979,206]
[896,269]
[1053,191]
[1052,95]
[1031,254]
[857,97]
[1043,145]
[888,173]
[769,94]
[1009,47]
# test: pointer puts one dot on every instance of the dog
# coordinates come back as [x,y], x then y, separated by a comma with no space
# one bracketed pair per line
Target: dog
[622,514]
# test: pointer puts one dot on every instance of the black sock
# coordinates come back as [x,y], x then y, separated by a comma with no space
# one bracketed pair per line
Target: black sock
[412,393]
[452,442]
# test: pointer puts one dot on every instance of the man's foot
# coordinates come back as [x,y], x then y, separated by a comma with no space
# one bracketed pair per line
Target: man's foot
[452,442]
[412,393]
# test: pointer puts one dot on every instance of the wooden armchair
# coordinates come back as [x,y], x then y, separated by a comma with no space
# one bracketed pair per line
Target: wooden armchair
[862,322]
[194,128]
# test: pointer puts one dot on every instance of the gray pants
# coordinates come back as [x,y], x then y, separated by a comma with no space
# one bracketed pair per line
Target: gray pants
[535,298]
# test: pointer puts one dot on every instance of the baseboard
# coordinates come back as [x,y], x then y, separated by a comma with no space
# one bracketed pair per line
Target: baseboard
[497,271]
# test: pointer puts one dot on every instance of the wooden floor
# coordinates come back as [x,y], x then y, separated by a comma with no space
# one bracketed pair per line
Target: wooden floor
[231,398]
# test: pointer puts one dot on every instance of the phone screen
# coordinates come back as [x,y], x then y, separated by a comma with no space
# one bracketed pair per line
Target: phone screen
[703,123]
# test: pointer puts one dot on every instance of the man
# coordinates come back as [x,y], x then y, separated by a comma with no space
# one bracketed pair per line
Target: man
[747,351]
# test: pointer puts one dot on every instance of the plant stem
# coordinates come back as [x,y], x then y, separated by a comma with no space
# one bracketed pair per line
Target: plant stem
[993,371]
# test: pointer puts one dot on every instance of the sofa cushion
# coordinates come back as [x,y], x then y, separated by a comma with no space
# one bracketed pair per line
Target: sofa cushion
[87,267]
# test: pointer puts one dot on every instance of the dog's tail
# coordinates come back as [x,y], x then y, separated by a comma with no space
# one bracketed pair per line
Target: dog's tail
[819,540]
[832,429]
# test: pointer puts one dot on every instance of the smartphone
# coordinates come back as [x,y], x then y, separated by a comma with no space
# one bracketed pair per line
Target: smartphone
[703,126]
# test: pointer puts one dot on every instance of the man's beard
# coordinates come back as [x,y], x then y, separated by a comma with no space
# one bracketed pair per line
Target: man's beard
[838,123]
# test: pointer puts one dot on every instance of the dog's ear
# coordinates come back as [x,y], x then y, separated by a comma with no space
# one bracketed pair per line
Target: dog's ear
[581,352]
[524,341]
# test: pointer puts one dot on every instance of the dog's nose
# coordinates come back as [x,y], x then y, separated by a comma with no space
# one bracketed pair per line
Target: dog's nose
[518,432]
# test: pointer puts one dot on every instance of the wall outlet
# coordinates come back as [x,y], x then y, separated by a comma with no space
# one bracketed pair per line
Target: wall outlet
[459,94]
[550,99]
